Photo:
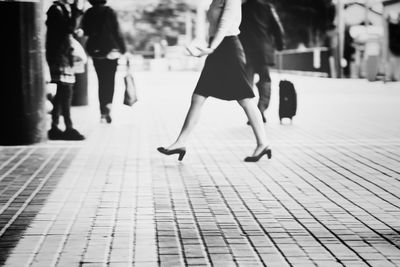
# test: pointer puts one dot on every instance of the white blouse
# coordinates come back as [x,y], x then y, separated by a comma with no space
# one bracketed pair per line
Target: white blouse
[224,17]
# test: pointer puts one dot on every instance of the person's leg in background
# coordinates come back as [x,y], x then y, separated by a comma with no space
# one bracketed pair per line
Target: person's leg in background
[62,104]
[253,115]
[250,72]
[264,90]
[106,70]
[66,91]
[55,133]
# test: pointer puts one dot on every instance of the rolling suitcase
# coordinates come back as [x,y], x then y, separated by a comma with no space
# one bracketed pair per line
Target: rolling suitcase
[287,100]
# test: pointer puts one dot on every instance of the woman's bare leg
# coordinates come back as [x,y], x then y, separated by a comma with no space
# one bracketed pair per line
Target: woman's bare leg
[254,117]
[191,120]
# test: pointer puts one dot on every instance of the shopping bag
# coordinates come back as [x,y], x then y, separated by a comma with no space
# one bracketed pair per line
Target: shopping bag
[130,95]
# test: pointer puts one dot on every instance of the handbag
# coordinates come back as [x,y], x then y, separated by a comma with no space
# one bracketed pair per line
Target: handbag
[130,95]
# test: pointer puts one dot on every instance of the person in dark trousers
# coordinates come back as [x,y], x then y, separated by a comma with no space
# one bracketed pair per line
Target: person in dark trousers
[61,23]
[348,52]
[105,45]
[260,33]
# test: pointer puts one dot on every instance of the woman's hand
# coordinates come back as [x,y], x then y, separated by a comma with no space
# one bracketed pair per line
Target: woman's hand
[204,51]
[198,50]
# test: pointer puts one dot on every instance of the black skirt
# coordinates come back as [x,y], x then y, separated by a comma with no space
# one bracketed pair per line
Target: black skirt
[224,75]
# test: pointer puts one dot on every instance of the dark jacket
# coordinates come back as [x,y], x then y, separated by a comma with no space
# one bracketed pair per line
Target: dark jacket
[60,24]
[260,31]
[101,25]
[60,27]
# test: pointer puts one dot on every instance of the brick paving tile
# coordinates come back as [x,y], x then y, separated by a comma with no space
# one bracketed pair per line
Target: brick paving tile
[329,197]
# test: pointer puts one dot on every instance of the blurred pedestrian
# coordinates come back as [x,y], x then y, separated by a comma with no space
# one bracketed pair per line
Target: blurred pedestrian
[393,70]
[223,77]
[105,45]
[260,33]
[348,52]
[61,23]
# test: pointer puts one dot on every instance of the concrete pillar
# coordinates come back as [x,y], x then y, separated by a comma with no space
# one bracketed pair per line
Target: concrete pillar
[22,93]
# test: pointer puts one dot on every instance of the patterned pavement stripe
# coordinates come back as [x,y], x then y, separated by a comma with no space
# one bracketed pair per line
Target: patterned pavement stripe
[32,177]
[17,164]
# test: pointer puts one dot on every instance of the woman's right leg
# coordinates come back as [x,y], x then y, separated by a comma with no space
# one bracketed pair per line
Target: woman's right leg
[254,117]
[65,91]
[191,120]
[55,133]
[264,90]
[55,113]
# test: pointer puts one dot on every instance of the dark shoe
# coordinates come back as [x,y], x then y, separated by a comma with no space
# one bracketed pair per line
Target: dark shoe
[180,151]
[55,134]
[106,117]
[263,118]
[265,151]
[72,135]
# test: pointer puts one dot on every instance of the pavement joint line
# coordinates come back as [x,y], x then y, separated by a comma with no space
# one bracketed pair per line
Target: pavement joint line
[115,216]
[199,232]
[190,203]
[353,173]
[363,163]
[47,230]
[339,205]
[70,225]
[32,177]
[38,188]
[316,219]
[235,219]
[10,159]
[135,212]
[374,162]
[351,153]
[305,209]
[90,232]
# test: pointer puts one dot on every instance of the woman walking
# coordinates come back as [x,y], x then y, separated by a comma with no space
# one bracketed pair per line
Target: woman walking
[105,45]
[223,77]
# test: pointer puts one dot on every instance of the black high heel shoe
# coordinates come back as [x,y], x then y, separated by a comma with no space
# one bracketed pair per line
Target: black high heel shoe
[181,151]
[265,151]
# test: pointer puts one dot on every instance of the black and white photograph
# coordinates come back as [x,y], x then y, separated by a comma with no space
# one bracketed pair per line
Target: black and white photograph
[200,133]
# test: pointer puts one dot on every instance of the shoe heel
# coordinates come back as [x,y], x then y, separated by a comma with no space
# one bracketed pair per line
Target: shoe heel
[269,153]
[181,155]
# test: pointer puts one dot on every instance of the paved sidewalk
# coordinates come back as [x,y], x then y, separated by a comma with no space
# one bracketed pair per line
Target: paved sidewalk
[330,196]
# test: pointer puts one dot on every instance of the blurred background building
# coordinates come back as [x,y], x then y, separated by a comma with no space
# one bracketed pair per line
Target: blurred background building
[335,38]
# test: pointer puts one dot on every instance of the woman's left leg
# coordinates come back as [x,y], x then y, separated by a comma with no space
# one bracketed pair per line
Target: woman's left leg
[254,117]
[192,118]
